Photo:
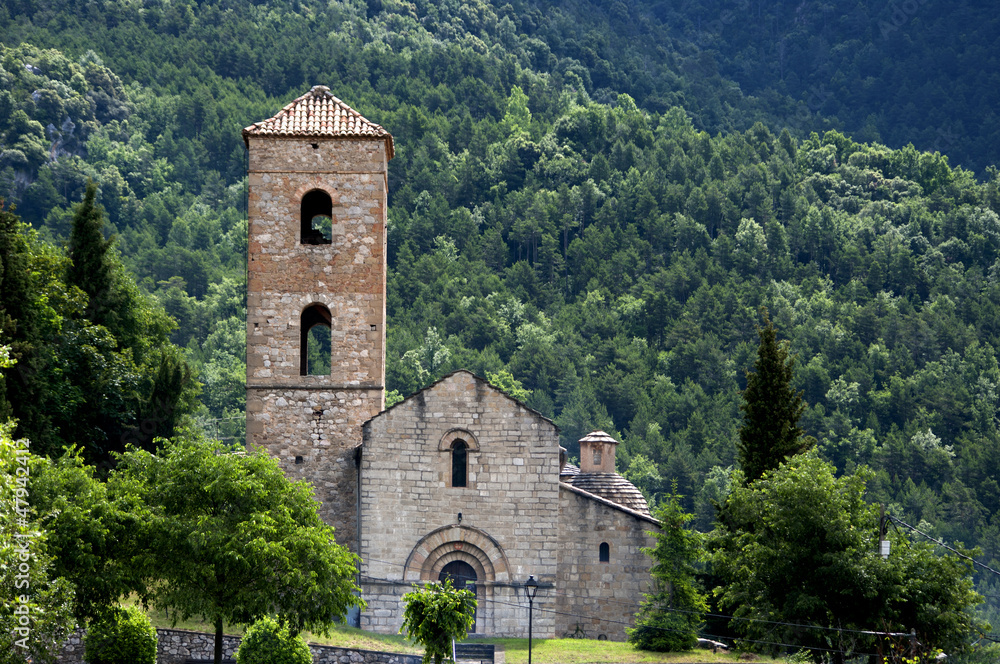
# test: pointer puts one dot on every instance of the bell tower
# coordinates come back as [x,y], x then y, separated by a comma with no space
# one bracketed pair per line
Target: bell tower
[316,275]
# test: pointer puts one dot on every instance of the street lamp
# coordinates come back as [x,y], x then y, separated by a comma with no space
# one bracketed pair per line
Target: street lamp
[530,588]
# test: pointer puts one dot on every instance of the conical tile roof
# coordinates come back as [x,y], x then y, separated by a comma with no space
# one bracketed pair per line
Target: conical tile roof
[318,114]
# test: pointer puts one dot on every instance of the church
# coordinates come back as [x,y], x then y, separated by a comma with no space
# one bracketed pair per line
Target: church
[458,480]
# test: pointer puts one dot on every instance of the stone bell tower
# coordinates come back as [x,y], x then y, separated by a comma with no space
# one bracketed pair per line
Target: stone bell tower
[316,293]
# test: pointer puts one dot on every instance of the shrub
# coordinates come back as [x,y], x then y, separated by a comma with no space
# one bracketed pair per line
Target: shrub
[122,636]
[267,642]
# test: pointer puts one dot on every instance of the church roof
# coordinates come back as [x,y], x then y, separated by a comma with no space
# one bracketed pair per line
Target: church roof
[599,437]
[318,114]
[569,469]
[610,486]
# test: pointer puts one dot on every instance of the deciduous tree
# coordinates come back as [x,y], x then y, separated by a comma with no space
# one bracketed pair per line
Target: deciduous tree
[225,535]
[436,614]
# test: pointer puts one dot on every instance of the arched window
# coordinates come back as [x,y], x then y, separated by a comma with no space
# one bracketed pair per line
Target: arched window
[459,463]
[314,359]
[605,552]
[317,218]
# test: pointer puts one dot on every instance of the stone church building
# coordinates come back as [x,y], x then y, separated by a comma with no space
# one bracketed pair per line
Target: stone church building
[458,480]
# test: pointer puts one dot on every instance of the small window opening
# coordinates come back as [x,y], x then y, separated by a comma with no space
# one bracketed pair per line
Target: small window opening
[459,463]
[597,456]
[317,218]
[605,552]
[315,349]
[298,461]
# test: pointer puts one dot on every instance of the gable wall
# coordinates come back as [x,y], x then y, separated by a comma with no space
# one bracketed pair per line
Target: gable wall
[509,510]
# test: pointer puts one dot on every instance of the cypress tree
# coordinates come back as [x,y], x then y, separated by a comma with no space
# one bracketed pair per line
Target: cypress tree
[92,270]
[770,433]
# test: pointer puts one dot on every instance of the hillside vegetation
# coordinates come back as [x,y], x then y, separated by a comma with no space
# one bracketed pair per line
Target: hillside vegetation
[595,199]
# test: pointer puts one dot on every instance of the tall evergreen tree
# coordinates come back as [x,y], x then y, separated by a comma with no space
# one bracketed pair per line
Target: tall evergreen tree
[770,433]
[92,269]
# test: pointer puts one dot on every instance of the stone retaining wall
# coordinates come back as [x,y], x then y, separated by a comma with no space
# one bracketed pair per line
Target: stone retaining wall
[178,645]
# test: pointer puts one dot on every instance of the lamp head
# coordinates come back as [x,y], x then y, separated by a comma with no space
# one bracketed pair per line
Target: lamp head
[531,586]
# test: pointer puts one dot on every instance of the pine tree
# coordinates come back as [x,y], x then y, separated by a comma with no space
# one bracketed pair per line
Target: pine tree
[771,409]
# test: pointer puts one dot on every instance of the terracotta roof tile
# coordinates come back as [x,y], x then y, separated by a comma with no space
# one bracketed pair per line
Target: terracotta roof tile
[318,114]
[610,486]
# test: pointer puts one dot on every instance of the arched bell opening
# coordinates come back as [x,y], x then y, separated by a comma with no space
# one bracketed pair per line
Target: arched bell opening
[317,218]
[315,355]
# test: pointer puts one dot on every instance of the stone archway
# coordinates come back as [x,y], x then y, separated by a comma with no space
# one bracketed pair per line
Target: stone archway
[438,551]
[462,576]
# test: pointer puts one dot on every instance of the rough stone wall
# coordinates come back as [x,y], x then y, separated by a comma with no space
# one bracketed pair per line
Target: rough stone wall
[602,598]
[509,508]
[175,646]
[313,423]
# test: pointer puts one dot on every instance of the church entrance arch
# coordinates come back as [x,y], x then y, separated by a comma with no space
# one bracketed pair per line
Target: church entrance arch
[479,557]
[463,577]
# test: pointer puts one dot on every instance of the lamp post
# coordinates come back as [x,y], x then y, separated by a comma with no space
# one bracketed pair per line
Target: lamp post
[530,588]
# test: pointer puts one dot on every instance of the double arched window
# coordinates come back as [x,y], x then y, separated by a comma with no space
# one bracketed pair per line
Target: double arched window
[317,218]
[314,359]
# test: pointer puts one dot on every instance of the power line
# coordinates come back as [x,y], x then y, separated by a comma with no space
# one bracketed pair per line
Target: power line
[842,630]
[940,543]
[565,593]
[667,629]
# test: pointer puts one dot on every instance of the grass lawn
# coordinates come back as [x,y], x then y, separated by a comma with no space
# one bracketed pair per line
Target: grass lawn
[544,651]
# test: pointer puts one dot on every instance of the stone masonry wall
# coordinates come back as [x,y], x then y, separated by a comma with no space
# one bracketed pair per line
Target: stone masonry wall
[509,508]
[175,646]
[312,424]
[602,598]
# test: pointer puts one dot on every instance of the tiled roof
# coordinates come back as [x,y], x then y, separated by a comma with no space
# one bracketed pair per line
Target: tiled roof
[318,114]
[598,437]
[610,486]
[569,469]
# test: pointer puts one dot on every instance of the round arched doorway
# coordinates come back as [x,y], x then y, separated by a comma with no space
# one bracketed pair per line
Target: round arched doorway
[463,576]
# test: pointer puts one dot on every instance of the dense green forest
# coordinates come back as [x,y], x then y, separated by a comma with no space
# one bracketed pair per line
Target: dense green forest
[597,198]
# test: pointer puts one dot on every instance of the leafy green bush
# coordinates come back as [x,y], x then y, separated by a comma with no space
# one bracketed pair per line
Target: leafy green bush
[267,642]
[123,636]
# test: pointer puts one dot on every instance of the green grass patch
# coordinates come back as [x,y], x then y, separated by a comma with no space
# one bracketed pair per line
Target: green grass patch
[544,651]
[590,651]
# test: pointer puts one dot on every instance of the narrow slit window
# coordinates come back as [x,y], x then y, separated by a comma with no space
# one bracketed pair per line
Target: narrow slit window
[597,456]
[315,358]
[605,552]
[459,463]
[317,218]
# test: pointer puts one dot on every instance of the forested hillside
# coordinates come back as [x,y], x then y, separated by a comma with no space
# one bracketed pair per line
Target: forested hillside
[595,198]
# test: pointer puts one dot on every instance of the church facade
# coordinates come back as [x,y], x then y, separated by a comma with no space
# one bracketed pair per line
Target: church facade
[458,480]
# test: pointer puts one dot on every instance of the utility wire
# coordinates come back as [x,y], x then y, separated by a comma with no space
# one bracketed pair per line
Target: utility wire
[667,629]
[940,543]
[761,621]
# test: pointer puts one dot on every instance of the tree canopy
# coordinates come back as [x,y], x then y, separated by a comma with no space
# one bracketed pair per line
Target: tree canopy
[225,535]
[436,614]
[798,557]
